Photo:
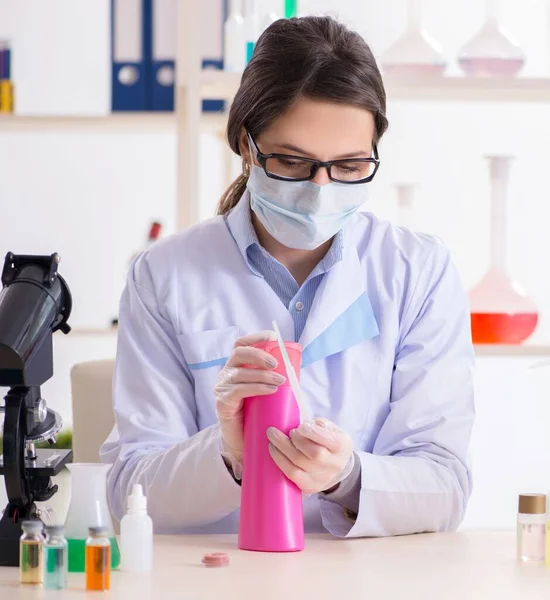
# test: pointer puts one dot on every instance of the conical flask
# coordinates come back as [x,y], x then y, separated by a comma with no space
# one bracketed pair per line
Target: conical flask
[492,52]
[405,205]
[501,311]
[415,52]
[88,508]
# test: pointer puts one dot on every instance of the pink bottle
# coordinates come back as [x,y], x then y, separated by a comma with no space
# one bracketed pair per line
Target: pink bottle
[272,518]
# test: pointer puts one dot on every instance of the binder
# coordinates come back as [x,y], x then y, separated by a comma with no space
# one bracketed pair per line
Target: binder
[215,15]
[144,40]
[130,46]
[163,54]
[6,86]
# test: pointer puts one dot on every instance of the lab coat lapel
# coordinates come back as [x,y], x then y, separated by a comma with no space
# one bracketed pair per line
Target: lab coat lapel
[341,315]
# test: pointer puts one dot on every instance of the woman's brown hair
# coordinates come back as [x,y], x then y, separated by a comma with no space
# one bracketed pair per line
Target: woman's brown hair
[315,57]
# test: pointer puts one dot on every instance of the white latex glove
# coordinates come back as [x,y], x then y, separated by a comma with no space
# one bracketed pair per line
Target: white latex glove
[316,456]
[236,382]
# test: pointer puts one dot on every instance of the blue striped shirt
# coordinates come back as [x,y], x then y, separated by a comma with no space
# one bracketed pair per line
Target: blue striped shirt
[297,299]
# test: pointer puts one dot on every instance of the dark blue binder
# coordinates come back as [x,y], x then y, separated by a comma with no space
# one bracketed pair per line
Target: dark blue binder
[5,59]
[129,51]
[144,82]
[163,67]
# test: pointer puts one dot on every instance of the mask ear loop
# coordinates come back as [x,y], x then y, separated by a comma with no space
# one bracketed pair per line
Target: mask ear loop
[247,167]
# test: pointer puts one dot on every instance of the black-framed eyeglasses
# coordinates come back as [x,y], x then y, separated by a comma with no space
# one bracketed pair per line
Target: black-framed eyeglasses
[287,167]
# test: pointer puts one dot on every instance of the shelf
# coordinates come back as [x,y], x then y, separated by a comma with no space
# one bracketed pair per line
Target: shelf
[83,331]
[137,122]
[539,350]
[468,89]
[219,85]
[222,85]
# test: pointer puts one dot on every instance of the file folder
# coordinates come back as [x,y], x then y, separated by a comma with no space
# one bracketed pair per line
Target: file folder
[163,65]
[131,38]
[6,86]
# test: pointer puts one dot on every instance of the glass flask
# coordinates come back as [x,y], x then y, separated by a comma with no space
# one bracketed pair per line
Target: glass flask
[501,312]
[405,205]
[492,52]
[88,508]
[415,52]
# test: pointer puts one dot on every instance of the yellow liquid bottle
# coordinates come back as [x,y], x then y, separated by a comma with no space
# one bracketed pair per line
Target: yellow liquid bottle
[30,552]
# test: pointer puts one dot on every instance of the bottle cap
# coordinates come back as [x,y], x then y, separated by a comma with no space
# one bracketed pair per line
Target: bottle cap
[532,504]
[32,526]
[55,530]
[136,500]
[100,531]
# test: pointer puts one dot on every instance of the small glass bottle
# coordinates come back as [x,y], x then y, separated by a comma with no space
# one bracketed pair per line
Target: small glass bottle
[55,558]
[531,530]
[30,552]
[98,559]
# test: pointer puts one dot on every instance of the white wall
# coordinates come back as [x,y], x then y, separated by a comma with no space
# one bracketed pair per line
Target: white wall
[91,195]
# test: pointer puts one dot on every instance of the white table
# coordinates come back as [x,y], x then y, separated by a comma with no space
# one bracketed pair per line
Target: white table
[466,566]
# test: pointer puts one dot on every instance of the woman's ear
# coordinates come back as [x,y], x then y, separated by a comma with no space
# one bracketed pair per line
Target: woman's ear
[244,147]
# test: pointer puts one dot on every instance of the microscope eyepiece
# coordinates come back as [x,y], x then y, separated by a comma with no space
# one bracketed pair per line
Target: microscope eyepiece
[34,302]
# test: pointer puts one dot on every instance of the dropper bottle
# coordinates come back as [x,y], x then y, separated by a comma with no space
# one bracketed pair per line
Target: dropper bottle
[136,534]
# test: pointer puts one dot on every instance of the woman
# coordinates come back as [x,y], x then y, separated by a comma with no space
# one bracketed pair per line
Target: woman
[379,311]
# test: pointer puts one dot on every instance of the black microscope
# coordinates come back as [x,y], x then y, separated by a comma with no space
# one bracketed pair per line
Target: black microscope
[35,302]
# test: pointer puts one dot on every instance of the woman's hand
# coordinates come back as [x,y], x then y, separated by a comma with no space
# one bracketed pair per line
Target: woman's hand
[316,456]
[237,381]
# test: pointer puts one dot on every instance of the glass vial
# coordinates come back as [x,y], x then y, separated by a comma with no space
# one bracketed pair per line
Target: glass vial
[269,16]
[291,9]
[531,530]
[234,53]
[98,559]
[55,558]
[30,552]
[251,26]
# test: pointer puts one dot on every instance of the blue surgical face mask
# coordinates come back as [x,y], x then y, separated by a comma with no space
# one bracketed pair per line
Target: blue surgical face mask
[302,214]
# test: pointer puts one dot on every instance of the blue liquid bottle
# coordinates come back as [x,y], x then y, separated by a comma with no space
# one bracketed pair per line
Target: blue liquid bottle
[55,558]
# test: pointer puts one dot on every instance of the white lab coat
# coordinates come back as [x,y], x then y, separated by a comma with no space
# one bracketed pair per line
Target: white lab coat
[387,356]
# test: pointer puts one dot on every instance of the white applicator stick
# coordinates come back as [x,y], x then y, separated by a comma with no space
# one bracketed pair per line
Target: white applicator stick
[303,405]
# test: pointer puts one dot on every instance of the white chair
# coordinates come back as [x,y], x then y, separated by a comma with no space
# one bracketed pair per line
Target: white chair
[93,418]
